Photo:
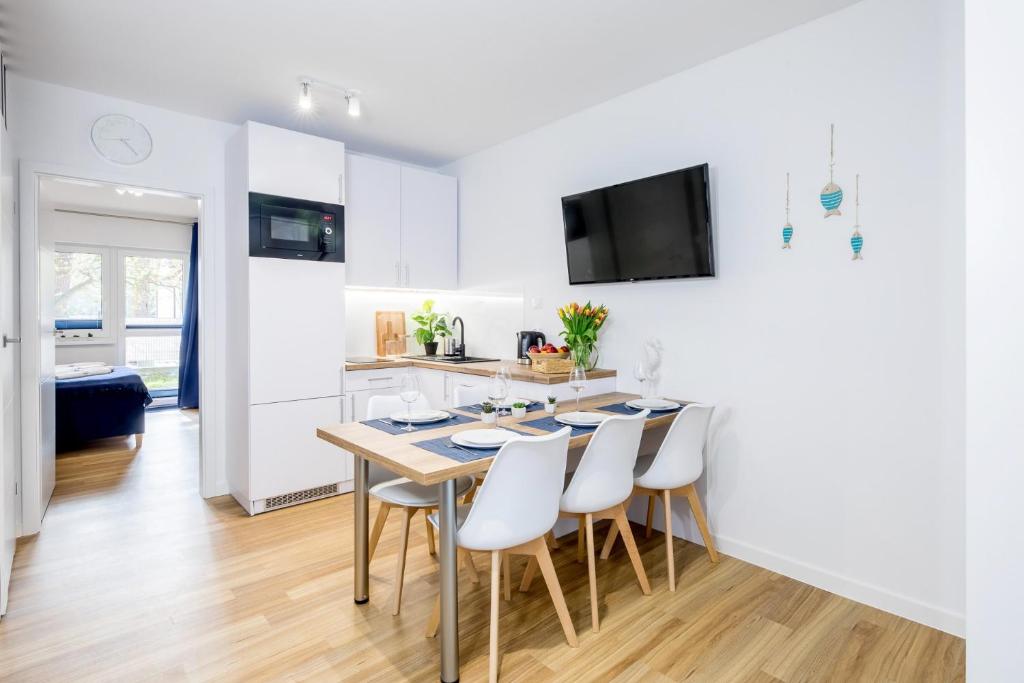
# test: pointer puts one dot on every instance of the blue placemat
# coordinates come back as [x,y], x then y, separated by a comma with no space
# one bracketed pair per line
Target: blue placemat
[396,428]
[548,424]
[444,446]
[476,409]
[623,409]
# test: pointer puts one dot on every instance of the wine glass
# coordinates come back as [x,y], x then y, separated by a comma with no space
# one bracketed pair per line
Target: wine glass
[497,392]
[409,391]
[640,375]
[577,380]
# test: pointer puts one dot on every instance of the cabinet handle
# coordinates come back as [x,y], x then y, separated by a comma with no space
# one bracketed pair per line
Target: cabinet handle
[406,274]
[341,189]
[398,277]
[379,379]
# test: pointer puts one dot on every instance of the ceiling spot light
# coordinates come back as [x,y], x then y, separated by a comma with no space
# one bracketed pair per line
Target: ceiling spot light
[354,109]
[305,97]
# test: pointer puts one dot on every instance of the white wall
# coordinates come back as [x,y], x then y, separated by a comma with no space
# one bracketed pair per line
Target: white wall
[492,320]
[995,336]
[125,233]
[836,454]
[54,123]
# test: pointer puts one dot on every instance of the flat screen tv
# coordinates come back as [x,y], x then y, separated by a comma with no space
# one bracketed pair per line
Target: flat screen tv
[648,229]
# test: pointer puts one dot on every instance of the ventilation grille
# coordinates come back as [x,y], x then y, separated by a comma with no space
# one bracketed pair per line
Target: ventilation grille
[297,497]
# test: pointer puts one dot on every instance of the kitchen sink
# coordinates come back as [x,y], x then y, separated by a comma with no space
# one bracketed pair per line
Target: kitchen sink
[455,360]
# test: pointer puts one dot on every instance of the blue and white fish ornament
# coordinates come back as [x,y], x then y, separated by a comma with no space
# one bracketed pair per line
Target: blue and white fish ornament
[787,229]
[831,195]
[856,239]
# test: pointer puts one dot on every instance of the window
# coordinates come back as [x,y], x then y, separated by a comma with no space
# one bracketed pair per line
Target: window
[78,290]
[154,291]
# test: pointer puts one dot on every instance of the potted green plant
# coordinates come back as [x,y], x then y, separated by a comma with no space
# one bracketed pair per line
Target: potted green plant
[487,414]
[580,333]
[431,325]
[552,403]
[518,409]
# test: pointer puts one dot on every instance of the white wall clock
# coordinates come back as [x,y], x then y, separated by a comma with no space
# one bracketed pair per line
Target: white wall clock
[121,139]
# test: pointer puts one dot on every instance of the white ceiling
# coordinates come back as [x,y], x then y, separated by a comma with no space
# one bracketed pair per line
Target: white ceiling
[440,79]
[87,195]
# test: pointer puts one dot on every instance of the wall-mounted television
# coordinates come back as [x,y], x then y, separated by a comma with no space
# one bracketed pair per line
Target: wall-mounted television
[649,229]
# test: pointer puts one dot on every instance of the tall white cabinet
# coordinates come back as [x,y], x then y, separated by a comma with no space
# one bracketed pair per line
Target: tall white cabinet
[286,327]
[401,226]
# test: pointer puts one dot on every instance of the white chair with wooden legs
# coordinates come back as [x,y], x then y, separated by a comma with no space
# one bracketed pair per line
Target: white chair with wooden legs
[599,489]
[508,518]
[678,463]
[408,497]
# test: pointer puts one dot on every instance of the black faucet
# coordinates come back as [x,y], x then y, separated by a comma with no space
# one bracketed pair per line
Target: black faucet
[460,350]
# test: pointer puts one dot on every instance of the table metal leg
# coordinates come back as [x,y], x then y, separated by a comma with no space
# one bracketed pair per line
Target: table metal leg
[449,584]
[361,500]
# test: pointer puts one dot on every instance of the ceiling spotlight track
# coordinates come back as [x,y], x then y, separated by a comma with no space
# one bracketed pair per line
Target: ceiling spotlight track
[307,84]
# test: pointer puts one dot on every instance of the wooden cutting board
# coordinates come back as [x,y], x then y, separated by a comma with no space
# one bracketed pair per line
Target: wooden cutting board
[390,325]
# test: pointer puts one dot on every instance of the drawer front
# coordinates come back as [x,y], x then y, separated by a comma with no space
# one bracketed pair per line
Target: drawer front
[384,378]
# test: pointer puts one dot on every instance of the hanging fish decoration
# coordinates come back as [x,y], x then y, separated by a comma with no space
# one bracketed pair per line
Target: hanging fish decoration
[831,195]
[856,239]
[787,229]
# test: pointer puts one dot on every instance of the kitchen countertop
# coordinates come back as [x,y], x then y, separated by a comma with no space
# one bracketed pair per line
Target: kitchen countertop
[520,373]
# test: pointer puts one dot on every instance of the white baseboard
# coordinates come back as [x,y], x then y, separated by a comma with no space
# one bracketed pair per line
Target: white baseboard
[874,596]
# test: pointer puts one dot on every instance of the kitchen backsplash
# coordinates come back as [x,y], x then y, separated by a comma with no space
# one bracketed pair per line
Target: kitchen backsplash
[492,320]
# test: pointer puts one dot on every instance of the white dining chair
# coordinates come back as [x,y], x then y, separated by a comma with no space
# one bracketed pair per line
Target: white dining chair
[396,492]
[599,489]
[678,463]
[512,519]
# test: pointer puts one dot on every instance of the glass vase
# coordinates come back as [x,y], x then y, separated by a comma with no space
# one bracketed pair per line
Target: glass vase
[585,356]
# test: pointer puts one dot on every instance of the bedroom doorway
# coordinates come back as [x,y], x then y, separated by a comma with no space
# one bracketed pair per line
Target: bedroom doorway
[114,294]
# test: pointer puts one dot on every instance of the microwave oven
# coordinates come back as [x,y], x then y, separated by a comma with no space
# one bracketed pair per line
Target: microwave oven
[281,227]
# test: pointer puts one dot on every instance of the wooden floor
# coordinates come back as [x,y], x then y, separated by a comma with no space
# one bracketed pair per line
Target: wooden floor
[135,577]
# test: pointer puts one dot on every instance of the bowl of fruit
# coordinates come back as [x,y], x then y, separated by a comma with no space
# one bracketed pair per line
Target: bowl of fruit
[547,352]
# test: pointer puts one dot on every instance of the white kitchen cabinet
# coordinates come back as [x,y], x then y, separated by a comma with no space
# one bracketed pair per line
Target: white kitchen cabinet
[291,164]
[285,453]
[401,226]
[373,222]
[433,386]
[430,235]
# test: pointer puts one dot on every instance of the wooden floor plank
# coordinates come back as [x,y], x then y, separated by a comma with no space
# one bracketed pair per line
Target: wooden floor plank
[136,577]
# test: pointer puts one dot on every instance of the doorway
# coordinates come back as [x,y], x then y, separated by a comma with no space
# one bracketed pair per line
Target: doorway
[106,265]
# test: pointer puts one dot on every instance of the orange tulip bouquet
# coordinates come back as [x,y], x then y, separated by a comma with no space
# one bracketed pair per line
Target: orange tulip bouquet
[580,333]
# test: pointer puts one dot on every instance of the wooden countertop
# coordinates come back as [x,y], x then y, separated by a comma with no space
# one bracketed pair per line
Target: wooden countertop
[485,369]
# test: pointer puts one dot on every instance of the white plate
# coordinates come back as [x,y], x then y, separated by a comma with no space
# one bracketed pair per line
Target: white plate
[419,417]
[581,419]
[654,404]
[482,438]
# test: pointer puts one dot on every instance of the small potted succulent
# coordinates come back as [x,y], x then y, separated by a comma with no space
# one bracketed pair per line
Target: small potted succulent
[487,413]
[518,409]
[551,404]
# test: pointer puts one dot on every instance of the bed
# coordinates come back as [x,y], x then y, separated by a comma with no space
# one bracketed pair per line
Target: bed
[100,407]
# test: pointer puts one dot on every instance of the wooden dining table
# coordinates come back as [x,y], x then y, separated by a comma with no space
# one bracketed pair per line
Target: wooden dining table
[398,453]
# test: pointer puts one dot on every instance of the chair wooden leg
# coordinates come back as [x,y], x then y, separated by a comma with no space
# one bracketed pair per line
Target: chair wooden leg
[552,541]
[403,545]
[670,559]
[547,569]
[528,573]
[506,561]
[378,527]
[592,571]
[581,533]
[702,522]
[495,578]
[430,530]
[609,541]
[650,516]
[435,618]
[622,522]
[466,560]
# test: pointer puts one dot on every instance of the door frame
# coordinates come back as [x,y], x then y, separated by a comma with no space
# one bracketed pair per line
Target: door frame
[30,175]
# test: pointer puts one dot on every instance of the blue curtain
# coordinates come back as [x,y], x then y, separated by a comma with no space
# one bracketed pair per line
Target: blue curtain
[188,356]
